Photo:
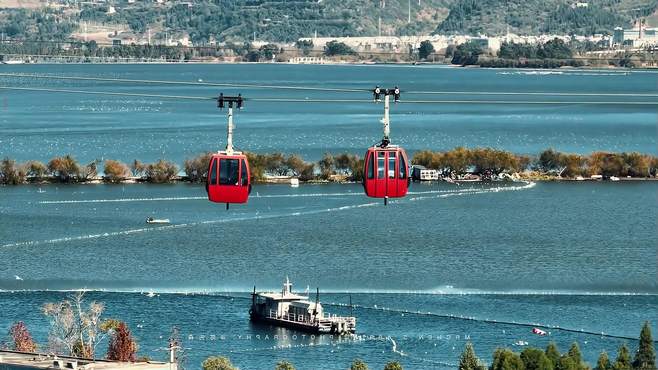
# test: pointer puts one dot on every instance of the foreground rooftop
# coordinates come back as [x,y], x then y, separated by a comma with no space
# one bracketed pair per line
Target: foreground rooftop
[10,360]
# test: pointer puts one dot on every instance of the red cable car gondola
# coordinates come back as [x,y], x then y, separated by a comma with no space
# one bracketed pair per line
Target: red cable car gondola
[229,179]
[386,167]
[386,172]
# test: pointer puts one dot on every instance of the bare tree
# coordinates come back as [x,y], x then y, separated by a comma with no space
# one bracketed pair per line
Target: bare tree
[74,328]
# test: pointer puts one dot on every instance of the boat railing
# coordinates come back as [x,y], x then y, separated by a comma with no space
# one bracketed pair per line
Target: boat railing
[308,318]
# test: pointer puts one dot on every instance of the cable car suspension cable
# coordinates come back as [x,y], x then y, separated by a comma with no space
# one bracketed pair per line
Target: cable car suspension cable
[298,100]
[311,88]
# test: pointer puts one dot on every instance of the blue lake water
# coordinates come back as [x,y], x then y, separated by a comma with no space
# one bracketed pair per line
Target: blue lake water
[581,256]
[576,255]
[39,125]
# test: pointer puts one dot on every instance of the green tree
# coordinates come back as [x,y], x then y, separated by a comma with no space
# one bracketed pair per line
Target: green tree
[393,365]
[645,357]
[553,353]
[425,50]
[217,363]
[567,362]
[305,46]
[575,354]
[337,48]
[468,360]
[603,363]
[358,364]
[268,51]
[535,359]
[505,359]
[623,360]
[284,365]
[467,53]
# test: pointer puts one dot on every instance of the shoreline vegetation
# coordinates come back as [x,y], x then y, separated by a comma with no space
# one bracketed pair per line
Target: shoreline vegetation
[459,164]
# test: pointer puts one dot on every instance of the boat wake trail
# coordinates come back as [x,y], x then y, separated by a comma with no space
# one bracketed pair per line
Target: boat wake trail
[184,225]
[470,191]
[120,200]
[424,195]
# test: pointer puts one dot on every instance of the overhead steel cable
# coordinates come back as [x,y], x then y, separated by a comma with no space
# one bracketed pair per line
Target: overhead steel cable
[532,93]
[321,89]
[293,100]
[87,92]
[166,82]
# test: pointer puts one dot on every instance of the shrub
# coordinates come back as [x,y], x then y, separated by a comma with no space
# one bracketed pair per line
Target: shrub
[217,363]
[161,172]
[393,365]
[284,365]
[358,364]
[115,171]
[22,340]
[10,174]
[196,169]
[64,169]
[122,346]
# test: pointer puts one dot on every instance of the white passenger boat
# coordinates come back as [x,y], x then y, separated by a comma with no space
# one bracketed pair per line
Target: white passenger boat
[293,311]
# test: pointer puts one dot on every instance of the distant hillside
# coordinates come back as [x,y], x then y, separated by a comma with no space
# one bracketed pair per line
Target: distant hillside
[287,20]
[496,17]
[230,20]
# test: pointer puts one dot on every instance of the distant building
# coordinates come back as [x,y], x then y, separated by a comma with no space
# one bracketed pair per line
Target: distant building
[420,173]
[637,37]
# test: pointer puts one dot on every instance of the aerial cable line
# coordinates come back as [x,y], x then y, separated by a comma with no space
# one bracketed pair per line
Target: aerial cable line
[292,100]
[534,93]
[165,82]
[87,92]
[312,88]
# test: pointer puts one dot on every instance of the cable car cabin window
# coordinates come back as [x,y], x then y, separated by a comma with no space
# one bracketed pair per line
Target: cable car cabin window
[403,168]
[371,165]
[391,165]
[213,172]
[381,163]
[244,177]
[228,172]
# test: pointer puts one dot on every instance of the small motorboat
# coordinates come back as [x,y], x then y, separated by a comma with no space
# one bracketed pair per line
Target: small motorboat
[538,331]
[151,220]
[520,343]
